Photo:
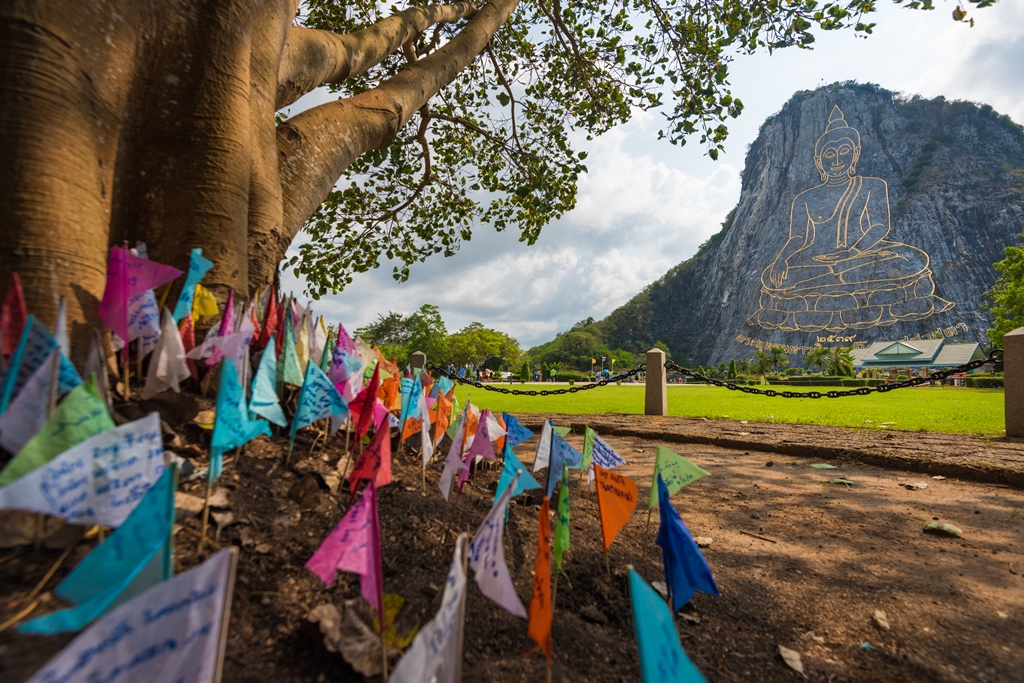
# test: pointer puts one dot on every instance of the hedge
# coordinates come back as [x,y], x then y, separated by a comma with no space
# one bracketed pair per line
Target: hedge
[984,382]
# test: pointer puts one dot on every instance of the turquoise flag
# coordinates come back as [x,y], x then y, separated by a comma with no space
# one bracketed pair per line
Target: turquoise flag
[126,564]
[662,658]
[442,385]
[265,401]
[232,426]
[198,266]
[288,368]
[508,473]
[33,350]
[10,374]
[411,390]
[317,399]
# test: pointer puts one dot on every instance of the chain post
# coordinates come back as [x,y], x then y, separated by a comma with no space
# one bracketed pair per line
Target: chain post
[1013,381]
[656,391]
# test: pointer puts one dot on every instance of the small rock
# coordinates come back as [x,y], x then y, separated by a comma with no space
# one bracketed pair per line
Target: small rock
[333,481]
[690,617]
[818,639]
[938,477]
[881,621]
[593,615]
[703,541]
[264,548]
[755,516]
[305,492]
[661,588]
[916,486]
[265,600]
[219,499]
[769,464]
[1002,615]
[186,506]
[943,529]
[792,658]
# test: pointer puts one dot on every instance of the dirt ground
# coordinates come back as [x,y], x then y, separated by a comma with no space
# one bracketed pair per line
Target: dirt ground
[824,559]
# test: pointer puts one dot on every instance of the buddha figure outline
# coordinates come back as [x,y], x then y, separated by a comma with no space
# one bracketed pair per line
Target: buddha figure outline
[837,270]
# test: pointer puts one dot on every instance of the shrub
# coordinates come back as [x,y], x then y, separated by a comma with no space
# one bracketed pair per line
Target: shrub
[989,382]
[571,376]
[753,382]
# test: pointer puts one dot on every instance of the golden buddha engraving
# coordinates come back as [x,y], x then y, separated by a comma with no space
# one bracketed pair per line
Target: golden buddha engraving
[837,271]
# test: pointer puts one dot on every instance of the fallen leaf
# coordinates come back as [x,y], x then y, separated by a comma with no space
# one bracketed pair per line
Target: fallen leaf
[824,466]
[792,658]
[881,620]
[844,482]
[942,529]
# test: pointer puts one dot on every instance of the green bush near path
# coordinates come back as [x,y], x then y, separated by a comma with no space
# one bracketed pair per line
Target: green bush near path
[954,410]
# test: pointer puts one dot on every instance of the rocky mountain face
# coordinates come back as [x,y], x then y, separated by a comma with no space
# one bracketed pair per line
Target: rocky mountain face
[864,216]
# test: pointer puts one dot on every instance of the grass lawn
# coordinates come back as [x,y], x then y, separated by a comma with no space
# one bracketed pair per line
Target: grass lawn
[955,410]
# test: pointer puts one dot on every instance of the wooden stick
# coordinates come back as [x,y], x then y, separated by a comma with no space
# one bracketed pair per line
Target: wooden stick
[138,358]
[763,538]
[647,533]
[607,564]
[49,575]
[51,406]
[383,648]
[19,616]
[206,518]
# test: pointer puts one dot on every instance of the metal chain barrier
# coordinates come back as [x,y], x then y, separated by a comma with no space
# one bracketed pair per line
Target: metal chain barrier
[994,356]
[537,392]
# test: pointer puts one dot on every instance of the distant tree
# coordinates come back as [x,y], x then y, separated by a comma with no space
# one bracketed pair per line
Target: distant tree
[701,371]
[817,358]
[743,365]
[732,369]
[386,330]
[763,362]
[586,322]
[1005,300]
[723,368]
[664,347]
[840,361]
[779,358]
[482,346]
[524,372]
[426,332]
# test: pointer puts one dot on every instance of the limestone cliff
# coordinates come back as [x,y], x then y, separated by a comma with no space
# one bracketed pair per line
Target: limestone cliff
[893,237]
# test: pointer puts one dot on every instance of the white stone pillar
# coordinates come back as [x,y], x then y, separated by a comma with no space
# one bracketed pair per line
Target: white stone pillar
[656,394]
[1013,378]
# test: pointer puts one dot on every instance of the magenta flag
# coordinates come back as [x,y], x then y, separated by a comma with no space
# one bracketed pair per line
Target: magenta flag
[354,546]
[129,275]
[227,327]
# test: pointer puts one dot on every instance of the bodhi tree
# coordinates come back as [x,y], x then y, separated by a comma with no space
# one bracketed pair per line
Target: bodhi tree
[168,122]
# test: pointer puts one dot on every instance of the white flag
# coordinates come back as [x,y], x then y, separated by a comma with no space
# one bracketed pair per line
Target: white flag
[172,633]
[487,556]
[60,330]
[453,464]
[428,443]
[167,367]
[543,448]
[97,363]
[435,655]
[26,414]
[99,481]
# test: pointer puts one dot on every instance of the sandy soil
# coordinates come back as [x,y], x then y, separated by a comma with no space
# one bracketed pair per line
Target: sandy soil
[829,557]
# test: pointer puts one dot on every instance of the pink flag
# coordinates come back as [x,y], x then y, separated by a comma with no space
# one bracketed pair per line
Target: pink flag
[354,546]
[129,275]
[12,316]
[227,327]
[345,341]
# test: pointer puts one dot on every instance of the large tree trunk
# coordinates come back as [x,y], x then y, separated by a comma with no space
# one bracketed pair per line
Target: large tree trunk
[153,120]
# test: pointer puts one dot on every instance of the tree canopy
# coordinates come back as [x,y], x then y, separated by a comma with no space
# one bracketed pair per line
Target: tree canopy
[1005,300]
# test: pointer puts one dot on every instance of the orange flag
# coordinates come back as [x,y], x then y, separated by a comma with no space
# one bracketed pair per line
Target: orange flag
[616,500]
[442,415]
[472,423]
[385,365]
[412,426]
[542,611]
[500,443]
[390,392]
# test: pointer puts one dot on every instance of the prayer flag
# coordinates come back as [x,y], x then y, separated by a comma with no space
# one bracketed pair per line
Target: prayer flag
[167,367]
[616,499]
[363,405]
[26,414]
[317,399]
[686,569]
[516,432]
[588,446]
[325,356]
[487,557]
[390,392]
[354,546]
[454,464]
[542,611]
[302,343]
[80,415]
[288,366]
[172,632]
[675,470]
[440,417]
[269,321]
[410,400]
[375,462]
[481,446]
[561,431]
[345,341]
[127,276]
[543,456]
[435,655]
[204,305]
[60,328]
[38,346]
[509,470]
[562,455]
[604,455]
[427,446]
[114,570]
[188,342]
[198,266]
[265,401]
[13,367]
[562,522]
[99,481]
[662,658]
[13,316]
[232,426]
[96,366]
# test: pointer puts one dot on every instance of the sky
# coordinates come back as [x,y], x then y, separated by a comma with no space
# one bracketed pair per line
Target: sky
[646,205]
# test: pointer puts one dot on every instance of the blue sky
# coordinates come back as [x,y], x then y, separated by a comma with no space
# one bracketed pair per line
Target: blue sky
[646,205]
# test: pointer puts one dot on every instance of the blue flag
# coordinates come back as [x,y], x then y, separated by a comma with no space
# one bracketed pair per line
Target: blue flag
[126,564]
[411,390]
[265,401]
[317,399]
[198,265]
[443,385]
[686,569]
[232,426]
[516,433]
[508,473]
[35,347]
[561,454]
[662,658]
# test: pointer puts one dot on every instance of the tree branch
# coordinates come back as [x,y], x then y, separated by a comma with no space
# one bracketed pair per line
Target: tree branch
[316,146]
[312,57]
